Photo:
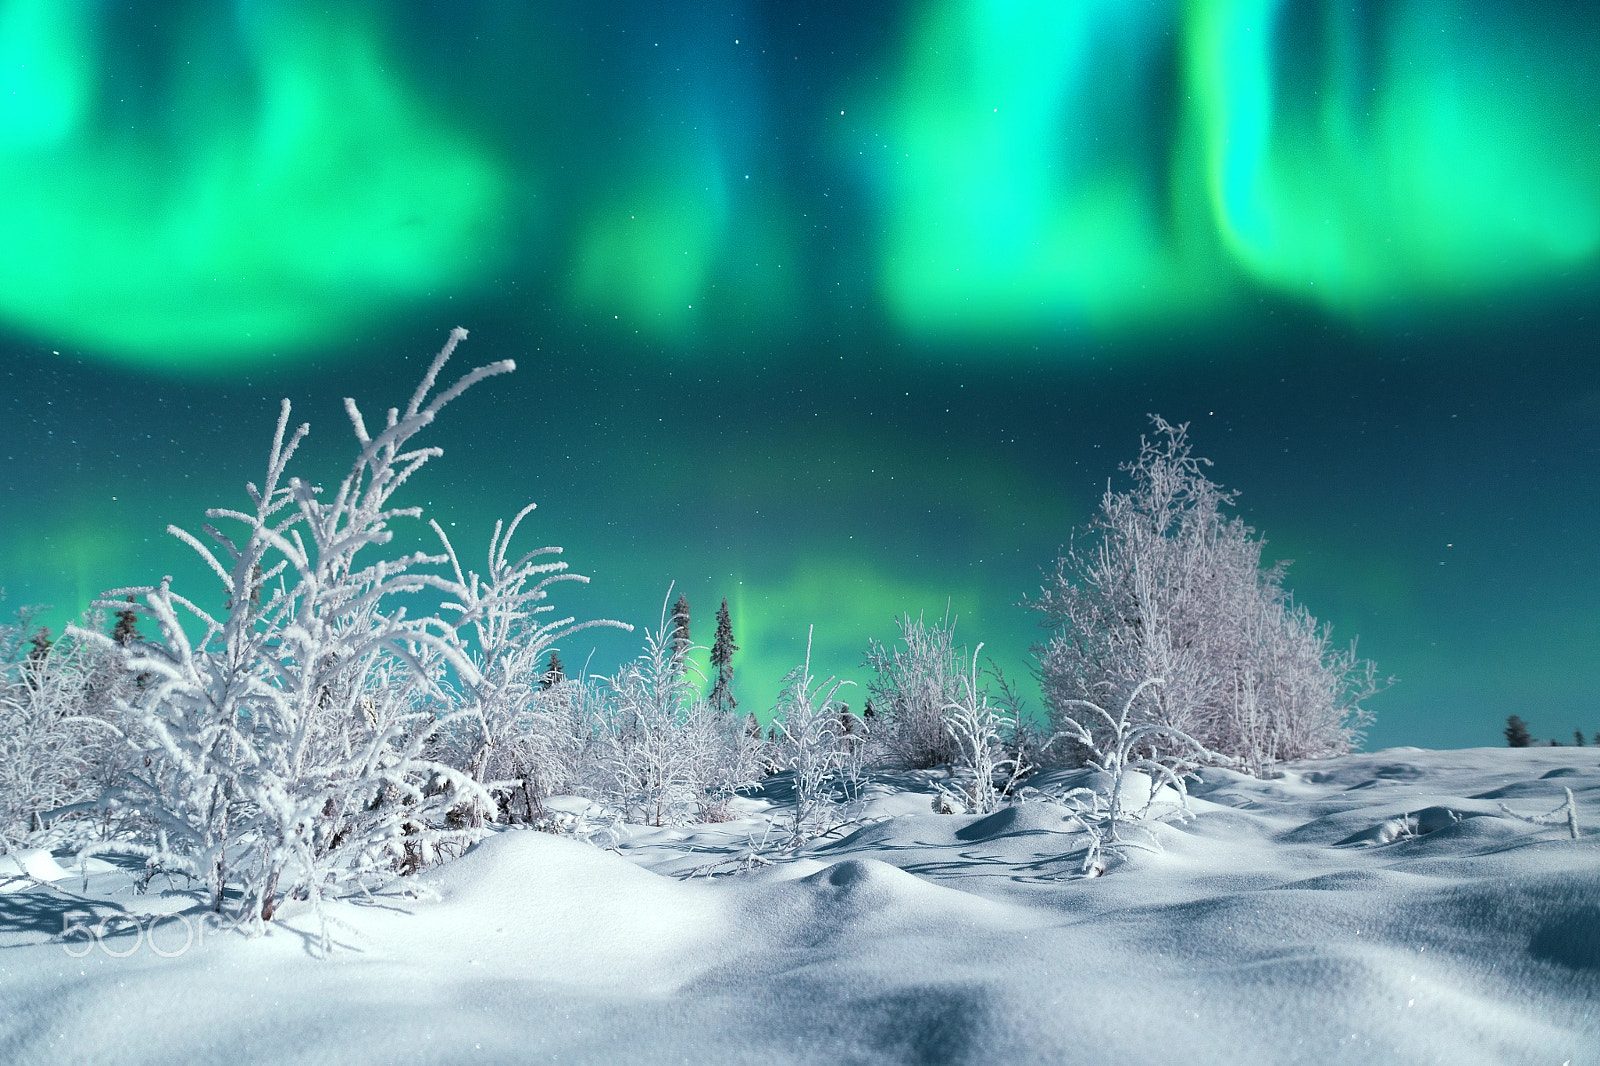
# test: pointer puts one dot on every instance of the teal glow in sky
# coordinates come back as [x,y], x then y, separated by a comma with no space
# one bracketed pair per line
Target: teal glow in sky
[838,311]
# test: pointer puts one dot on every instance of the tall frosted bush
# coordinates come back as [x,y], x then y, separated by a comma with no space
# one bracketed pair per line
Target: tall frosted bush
[913,682]
[1164,583]
[288,743]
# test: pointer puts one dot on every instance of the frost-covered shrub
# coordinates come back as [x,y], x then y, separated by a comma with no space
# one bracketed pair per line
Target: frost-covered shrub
[664,755]
[913,683]
[1122,750]
[286,743]
[60,742]
[1164,584]
[982,730]
[1566,814]
[520,731]
[811,743]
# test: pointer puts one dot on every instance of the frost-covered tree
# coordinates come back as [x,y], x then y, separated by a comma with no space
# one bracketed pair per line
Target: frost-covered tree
[1163,583]
[682,643]
[555,671]
[286,741]
[722,649]
[912,684]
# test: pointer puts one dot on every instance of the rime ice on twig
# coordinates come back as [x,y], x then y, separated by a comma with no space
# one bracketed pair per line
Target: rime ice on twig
[1569,808]
[287,748]
[811,745]
[1118,747]
[1163,583]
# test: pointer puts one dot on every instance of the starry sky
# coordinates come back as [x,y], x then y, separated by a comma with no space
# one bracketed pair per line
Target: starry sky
[839,311]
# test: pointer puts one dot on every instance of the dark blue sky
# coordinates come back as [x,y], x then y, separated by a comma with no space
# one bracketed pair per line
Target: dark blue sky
[839,315]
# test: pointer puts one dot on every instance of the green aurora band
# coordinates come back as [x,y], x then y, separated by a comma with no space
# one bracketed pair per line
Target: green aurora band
[294,190]
[292,178]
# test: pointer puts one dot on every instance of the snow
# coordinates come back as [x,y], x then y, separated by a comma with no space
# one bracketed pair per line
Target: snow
[1372,908]
[24,868]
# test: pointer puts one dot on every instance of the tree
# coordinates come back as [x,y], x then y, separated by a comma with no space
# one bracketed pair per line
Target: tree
[59,732]
[980,729]
[722,649]
[127,627]
[1163,583]
[666,757]
[554,673]
[1517,735]
[501,738]
[681,644]
[1126,753]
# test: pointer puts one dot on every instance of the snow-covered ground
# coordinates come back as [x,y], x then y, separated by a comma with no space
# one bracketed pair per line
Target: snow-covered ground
[1374,908]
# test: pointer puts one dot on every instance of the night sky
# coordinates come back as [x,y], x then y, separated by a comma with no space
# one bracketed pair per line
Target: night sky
[837,310]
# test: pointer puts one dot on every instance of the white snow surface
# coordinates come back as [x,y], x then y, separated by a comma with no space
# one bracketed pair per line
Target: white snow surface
[1374,908]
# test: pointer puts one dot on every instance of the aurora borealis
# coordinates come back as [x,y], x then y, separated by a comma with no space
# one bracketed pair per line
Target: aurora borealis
[837,310]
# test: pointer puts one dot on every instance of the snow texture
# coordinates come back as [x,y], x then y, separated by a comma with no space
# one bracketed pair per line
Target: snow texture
[1370,908]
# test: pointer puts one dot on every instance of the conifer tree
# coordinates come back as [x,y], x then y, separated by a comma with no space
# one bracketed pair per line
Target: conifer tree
[127,627]
[722,649]
[555,673]
[681,642]
[1517,735]
[38,654]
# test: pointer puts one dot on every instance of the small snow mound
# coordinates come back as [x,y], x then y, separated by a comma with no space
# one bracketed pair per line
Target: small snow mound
[1214,777]
[1399,771]
[527,903]
[1522,790]
[849,874]
[870,886]
[523,863]
[24,867]
[1015,820]
[1562,771]
[857,875]
[1409,826]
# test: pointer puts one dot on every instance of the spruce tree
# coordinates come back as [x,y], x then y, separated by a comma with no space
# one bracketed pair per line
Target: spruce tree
[127,627]
[1577,737]
[722,649]
[1517,735]
[555,673]
[680,632]
[38,651]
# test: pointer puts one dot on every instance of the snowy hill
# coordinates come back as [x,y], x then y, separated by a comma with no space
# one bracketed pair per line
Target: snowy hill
[1374,908]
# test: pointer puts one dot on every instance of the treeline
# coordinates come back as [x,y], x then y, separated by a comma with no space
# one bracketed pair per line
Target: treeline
[312,736]
[1517,735]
